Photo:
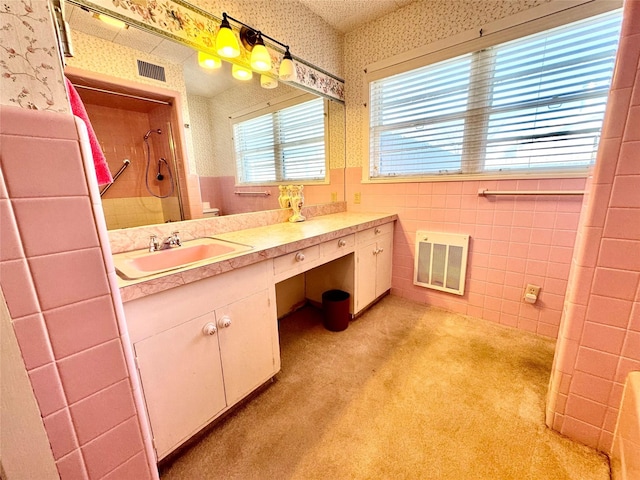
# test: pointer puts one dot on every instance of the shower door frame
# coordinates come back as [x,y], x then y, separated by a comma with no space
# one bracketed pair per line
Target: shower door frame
[187,186]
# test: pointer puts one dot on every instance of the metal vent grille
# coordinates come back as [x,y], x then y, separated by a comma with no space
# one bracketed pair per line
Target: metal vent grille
[441,261]
[149,70]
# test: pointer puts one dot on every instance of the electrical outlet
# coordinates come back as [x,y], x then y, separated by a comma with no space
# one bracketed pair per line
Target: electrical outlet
[357,197]
[532,289]
[334,196]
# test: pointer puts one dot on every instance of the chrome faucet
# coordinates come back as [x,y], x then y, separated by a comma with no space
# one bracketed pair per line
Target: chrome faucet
[153,243]
[171,241]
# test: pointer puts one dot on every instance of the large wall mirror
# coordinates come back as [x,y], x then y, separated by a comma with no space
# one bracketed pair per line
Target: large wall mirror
[154,138]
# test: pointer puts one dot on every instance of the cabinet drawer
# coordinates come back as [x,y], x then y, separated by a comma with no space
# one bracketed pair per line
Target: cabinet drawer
[297,261]
[334,248]
[372,233]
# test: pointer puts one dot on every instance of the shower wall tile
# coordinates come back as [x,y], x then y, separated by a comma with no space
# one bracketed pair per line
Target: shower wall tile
[10,246]
[20,122]
[54,280]
[92,370]
[614,283]
[19,292]
[627,162]
[603,338]
[41,167]
[69,277]
[135,467]
[77,327]
[585,410]
[580,431]
[44,223]
[589,386]
[608,311]
[60,428]
[72,466]
[117,403]
[33,340]
[623,223]
[47,388]
[112,449]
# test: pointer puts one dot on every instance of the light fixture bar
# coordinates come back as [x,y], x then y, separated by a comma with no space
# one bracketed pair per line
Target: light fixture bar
[229,17]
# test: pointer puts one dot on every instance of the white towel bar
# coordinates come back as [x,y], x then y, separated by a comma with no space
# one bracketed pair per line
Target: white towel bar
[258,194]
[483,192]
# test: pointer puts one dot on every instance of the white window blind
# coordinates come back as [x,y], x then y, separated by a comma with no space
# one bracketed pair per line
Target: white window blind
[285,145]
[533,104]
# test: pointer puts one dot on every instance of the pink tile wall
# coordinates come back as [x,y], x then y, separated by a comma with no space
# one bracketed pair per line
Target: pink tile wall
[515,240]
[599,340]
[211,191]
[54,280]
[120,133]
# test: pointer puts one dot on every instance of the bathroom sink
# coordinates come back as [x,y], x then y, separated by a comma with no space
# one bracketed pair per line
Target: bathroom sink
[142,263]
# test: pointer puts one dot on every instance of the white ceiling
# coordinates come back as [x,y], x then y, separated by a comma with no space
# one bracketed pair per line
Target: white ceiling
[347,15]
[344,15]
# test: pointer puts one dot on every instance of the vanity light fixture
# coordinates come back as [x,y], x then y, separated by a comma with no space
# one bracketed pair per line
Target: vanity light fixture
[240,73]
[110,21]
[260,58]
[253,41]
[209,61]
[226,42]
[267,82]
[287,68]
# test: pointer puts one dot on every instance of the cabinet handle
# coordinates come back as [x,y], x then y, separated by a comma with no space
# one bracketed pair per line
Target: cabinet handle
[209,329]
[341,243]
[224,322]
[380,250]
[376,231]
[375,252]
[299,257]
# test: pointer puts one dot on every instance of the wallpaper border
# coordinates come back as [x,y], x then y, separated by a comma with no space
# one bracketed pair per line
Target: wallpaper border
[189,25]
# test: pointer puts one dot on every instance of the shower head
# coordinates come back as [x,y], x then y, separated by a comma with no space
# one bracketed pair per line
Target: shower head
[148,134]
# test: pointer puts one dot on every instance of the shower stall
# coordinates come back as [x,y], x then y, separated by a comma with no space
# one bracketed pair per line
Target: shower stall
[137,136]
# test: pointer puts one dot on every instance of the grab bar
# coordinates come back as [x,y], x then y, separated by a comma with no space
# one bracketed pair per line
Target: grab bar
[257,194]
[126,163]
[482,192]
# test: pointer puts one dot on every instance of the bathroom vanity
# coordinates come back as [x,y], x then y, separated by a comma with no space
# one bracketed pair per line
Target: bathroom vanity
[206,337]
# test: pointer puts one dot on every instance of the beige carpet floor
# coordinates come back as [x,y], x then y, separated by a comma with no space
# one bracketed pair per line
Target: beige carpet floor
[406,392]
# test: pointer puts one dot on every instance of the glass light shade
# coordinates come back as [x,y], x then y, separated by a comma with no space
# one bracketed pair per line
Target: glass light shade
[240,73]
[287,69]
[260,58]
[227,44]
[268,82]
[208,61]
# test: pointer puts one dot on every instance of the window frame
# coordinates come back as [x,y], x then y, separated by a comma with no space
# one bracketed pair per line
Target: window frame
[535,20]
[273,106]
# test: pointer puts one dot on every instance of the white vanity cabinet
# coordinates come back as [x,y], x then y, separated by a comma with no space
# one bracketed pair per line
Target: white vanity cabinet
[202,347]
[181,374]
[373,264]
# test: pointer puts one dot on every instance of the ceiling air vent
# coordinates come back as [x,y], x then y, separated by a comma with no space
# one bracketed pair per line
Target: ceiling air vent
[149,70]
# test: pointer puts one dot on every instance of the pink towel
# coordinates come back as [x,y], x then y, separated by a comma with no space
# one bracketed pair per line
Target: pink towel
[99,161]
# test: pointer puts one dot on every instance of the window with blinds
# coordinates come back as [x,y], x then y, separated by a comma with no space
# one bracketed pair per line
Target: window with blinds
[287,145]
[530,105]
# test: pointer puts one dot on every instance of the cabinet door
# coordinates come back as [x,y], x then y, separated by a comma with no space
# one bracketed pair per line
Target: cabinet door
[365,275]
[383,264]
[182,381]
[248,346]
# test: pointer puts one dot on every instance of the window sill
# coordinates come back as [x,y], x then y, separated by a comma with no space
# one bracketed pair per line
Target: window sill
[277,184]
[479,177]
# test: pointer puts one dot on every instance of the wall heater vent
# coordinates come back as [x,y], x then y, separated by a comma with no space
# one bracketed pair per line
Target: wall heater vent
[150,70]
[441,261]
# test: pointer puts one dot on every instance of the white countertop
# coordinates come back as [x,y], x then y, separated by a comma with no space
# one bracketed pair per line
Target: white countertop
[267,241]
